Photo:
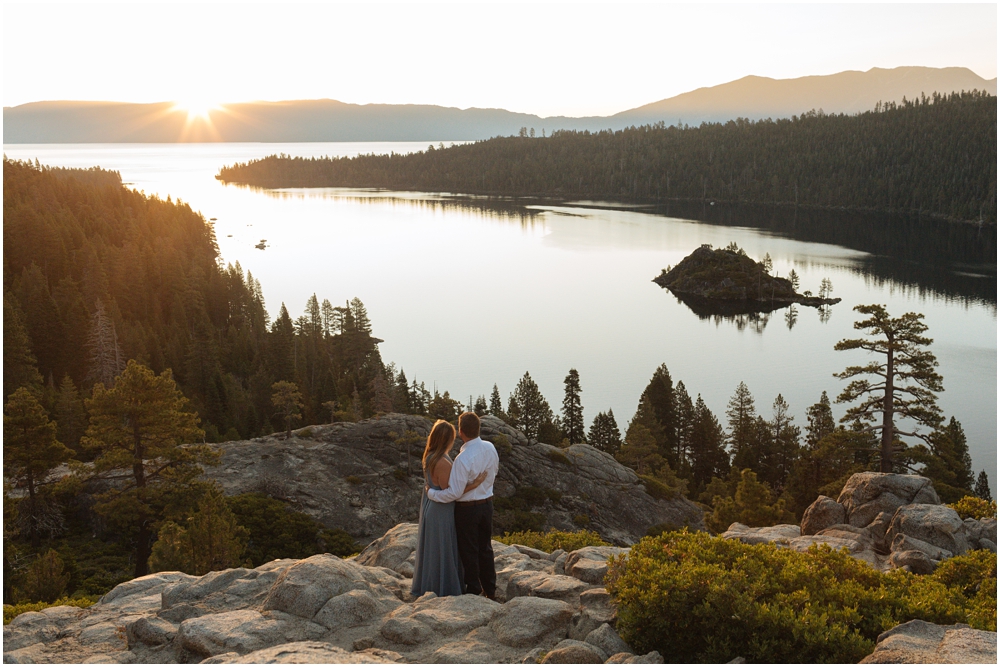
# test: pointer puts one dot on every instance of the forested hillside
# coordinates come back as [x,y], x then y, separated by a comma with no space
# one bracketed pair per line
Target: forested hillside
[96,274]
[934,156]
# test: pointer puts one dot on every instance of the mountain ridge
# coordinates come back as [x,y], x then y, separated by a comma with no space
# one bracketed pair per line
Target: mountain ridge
[753,97]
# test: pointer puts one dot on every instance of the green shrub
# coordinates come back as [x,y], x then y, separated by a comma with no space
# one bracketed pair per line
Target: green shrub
[306,432]
[657,488]
[658,529]
[277,531]
[12,611]
[975,508]
[752,504]
[352,480]
[400,474]
[517,520]
[557,456]
[581,520]
[974,575]
[45,580]
[554,539]
[699,598]
[502,445]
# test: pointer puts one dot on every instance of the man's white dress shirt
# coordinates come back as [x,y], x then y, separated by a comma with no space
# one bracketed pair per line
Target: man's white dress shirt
[475,456]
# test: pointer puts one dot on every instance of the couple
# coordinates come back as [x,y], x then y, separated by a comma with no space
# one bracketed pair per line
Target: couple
[454,542]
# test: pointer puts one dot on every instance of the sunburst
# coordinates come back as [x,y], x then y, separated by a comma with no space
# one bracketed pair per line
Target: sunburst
[196,109]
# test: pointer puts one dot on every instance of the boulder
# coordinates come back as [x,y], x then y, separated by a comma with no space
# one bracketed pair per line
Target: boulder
[868,493]
[914,561]
[988,530]
[354,608]
[903,542]
[651,658]
[922,642]
[305,588]
[572,652]
[242,631]
[468,651]
[782,534]
[530,621]
[935,524]
[394,550]
[590,564]
[452,614]
[543,585]
[608,640]
[151,631]
[405,631]
[300,653]
[823,513]
[531,552]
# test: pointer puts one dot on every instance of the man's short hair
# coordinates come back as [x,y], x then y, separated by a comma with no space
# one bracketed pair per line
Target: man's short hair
[468,424]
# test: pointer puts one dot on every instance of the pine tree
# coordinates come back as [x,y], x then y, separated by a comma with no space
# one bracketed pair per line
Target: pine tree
[401,394]
[685,427]
[30,451]
[480,407]
[288,400]
[905,382]
[661,405]
[104,359]
[529,408]
[572,408]
[211,540]
[379,389]
[639,451]
[983,487]
[821,423]
[783,445]
[604,433]
[20,368]
[496,407]
[707,449]
[141,423]
[741,416]
[70,415]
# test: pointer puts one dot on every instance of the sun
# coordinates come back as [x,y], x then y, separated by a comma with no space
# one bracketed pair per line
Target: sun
[197,109]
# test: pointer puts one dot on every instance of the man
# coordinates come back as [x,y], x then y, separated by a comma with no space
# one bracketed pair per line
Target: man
[473,510]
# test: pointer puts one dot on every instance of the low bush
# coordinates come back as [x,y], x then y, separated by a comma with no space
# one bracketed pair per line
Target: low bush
[657,488]
[554,539]
[971,507]
[581,520]
[699,598]
[277,531]
[400,474]
[557,456]
[352,480]
[12,611]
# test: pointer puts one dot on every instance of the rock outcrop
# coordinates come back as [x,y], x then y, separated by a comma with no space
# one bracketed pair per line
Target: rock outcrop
[920,642]
[728,282]
[325,609]
[887,520]
[365,478]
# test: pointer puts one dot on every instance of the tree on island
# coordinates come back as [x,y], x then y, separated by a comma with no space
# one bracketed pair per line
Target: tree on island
[140,425]
[496,407]
[572,408]
[288,400]
[905,380]
[30,452]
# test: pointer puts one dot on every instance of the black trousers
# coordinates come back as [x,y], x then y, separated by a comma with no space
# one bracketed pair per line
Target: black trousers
[474,525]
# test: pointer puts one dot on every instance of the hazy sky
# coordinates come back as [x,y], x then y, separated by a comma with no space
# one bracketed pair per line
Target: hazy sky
[549,59]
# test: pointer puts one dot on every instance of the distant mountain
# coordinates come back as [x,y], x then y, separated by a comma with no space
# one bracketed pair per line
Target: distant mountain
[757,97]
[329,120]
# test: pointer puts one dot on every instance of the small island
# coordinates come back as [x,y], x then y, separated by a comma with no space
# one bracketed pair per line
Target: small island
[726,281]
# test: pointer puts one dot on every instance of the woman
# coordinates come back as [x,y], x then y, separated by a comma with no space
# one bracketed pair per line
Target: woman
[437,567]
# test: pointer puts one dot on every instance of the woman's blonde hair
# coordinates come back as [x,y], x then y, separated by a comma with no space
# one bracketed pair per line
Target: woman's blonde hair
[439,442]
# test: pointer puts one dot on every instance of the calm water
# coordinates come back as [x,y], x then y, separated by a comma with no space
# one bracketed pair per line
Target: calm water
[466,296]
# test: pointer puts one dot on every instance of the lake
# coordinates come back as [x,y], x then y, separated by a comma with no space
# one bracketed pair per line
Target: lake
[468,292]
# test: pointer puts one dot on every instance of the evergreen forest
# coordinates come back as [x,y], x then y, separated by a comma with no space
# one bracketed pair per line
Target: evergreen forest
[934,156]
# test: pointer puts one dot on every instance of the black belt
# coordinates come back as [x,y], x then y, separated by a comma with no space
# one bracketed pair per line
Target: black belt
[469,503]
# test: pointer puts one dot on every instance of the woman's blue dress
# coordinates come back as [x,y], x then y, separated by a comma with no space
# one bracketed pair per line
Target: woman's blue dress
[437,567]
